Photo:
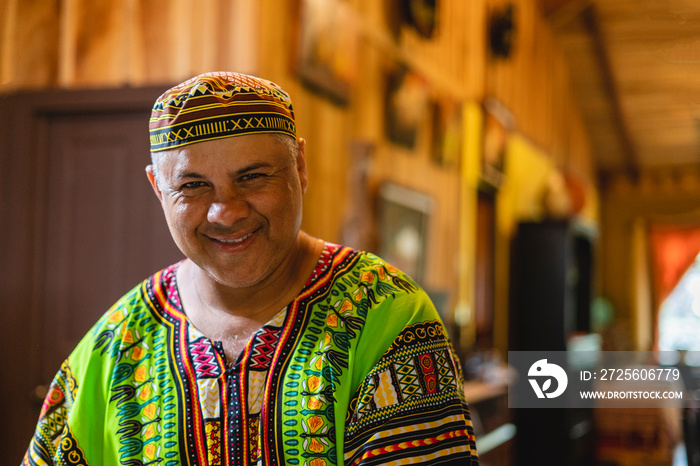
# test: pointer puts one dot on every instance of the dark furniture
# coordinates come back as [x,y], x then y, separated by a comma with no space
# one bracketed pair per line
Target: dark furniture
[550,300]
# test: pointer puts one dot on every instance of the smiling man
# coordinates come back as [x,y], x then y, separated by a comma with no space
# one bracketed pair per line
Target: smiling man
[265,345]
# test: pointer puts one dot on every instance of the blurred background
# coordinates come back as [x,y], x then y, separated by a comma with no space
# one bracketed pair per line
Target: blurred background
[533,164]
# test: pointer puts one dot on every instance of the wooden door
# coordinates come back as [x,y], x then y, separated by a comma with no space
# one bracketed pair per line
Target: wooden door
[484,270]
[81,226]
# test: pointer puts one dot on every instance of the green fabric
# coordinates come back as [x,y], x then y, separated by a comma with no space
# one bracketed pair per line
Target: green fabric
[356,370]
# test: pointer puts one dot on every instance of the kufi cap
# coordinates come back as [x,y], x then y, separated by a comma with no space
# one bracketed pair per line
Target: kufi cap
[219,105]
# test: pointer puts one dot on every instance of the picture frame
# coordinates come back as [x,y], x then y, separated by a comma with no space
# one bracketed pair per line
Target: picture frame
[498,124]
[421,16]
[448,131]
[404,227]
[407,103]
[327,47]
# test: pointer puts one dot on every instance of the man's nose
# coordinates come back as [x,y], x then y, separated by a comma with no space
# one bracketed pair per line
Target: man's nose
[228,210]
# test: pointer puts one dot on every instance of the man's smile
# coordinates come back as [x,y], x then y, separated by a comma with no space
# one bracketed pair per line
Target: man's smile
[235,240]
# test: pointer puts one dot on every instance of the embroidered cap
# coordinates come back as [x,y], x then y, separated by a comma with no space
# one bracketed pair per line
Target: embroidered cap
[219,105]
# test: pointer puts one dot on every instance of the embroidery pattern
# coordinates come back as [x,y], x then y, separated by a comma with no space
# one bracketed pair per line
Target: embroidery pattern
[413,388]
[53,417]
[141,393]
[358,284]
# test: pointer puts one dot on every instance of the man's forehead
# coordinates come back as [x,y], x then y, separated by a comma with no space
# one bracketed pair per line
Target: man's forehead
[228,154]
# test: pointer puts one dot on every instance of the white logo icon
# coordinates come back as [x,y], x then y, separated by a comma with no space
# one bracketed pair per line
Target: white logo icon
[544,370]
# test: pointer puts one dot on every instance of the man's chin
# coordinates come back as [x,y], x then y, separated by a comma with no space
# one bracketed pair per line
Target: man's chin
[235,276]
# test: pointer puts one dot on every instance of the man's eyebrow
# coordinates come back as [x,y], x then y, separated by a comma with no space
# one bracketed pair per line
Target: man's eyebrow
[187,174]
[253,166]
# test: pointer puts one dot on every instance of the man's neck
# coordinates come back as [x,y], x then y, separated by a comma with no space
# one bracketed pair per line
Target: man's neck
[209,304]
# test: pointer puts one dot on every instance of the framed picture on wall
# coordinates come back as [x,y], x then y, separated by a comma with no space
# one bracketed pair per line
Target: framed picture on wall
[404,221]
[498,124]
[407,103]
[448,131]
[327,47]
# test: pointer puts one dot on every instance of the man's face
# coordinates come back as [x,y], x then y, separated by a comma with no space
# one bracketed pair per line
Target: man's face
[233,205]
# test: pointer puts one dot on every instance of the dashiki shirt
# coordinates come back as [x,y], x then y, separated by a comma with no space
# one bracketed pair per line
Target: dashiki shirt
[356,370]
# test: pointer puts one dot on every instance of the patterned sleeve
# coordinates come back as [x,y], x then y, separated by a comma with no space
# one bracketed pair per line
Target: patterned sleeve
[52,420]
[410,407]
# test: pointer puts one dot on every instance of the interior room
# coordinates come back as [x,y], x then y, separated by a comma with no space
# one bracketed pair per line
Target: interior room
[534,165]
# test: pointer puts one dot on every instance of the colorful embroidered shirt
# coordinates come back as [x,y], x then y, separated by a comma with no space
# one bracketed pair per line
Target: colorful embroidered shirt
[356,370]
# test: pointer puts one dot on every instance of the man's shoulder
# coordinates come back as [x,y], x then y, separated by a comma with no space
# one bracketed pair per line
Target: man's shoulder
[369,282]
[370,269]
[131,313]
[160,285]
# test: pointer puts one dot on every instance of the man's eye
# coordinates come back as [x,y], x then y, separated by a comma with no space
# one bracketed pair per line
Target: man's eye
[193,185]
[252,176]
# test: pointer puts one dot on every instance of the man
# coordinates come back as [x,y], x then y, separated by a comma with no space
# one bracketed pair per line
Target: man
[264,346]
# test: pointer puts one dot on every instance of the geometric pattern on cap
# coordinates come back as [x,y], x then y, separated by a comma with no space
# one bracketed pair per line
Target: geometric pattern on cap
[218,105]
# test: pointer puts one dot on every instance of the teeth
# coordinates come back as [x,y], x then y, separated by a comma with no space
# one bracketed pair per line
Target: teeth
[236,240]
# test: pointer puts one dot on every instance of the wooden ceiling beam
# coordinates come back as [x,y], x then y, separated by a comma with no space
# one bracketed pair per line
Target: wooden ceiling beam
[590,20]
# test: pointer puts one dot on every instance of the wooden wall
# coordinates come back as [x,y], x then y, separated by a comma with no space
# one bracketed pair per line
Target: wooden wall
[535,85]
[116,43]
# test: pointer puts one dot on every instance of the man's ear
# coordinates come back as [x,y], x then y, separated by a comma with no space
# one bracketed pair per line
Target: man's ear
[301,165]
[150,173]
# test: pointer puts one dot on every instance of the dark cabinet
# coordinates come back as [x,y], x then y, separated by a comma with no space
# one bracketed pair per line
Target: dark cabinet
[551,276]
[550,285]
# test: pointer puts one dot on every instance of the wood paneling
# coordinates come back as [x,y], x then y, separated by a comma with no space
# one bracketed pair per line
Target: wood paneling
[30,45]
[535,84]
[92,43]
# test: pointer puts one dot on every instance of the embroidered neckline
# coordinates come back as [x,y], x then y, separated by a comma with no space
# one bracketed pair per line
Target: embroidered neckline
[169,285]
[169,280]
